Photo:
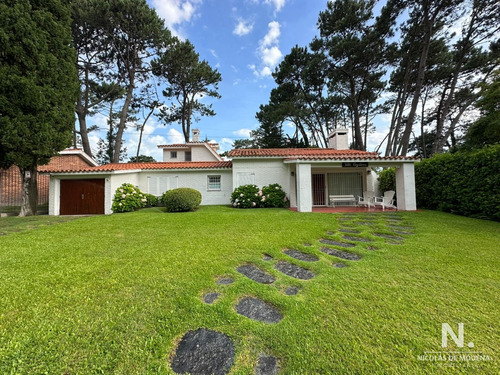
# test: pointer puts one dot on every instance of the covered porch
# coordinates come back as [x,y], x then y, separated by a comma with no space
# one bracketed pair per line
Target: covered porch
[334,186]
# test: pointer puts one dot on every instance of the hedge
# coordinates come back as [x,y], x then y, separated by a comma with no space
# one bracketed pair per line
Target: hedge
[464,183]
[181,200]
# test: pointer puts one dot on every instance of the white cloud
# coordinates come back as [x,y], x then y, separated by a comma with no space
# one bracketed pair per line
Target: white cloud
[278,4]
[176,12]
[268,51]
[214,54]
[243,27]
[174,136]
[243,133]
[271,56]
[273,34]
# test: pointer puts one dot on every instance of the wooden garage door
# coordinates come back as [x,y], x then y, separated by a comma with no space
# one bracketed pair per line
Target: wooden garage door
[82,197]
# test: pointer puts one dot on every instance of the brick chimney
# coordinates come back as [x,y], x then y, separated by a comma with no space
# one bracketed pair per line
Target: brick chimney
[338,139]
[196,135]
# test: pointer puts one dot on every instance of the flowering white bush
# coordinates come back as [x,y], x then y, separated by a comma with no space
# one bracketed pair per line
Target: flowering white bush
[128,198]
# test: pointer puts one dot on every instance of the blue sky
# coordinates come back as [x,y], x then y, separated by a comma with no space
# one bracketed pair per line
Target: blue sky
[245,40]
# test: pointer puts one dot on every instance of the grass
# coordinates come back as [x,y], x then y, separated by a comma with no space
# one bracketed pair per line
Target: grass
[114,294]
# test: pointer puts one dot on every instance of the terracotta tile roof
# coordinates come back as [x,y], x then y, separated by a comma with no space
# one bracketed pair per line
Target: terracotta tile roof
[183,144]
[312,154]
[145,166]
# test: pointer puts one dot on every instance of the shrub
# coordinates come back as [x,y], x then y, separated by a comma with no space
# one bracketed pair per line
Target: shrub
[250,196]
[246,196]
[464,183]
[387,180]
[151,200]
[128,198]
[274,196]
[181,200]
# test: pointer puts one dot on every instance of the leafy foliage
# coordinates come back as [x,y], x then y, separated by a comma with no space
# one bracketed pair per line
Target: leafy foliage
[38,87]
[142,159]
[387,180]
[181,200]
[151,200]
[250,196]
[464,183]
[187,79]
[128,198]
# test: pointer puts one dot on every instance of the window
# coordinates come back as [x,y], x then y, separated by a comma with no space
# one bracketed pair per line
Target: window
[173,154]
[187,156]
[214,183]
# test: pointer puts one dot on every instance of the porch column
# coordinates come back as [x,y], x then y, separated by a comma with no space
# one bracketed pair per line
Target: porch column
[405,187]
[304,188]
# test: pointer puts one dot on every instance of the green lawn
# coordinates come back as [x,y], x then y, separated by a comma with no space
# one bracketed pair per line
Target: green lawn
[114,294]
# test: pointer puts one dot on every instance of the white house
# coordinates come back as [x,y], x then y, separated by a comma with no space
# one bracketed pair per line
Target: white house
[308,176]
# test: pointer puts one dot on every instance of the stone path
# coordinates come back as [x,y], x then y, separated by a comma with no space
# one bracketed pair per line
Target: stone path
[204,351]
[256,274]
[259,310]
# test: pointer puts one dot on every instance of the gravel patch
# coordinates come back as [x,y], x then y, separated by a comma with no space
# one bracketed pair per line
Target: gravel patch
[336,243]
[259,310]
[204,352]
[299,255]
[340,254]
[255,274]
[210,297]
[292,270]
[266,365]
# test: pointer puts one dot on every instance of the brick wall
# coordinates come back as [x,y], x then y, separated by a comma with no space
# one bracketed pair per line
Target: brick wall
[10,181]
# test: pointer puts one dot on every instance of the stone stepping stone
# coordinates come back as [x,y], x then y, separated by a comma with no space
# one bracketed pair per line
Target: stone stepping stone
[340,254]
[267,257]
[404,233]
[339,265]
[292,270]
[366,223]
[225,281]
[266,365]
[204,352]
[255,274]
[399,227]
[210,297]
[336,243]
[356,238]
[387,236]
[292,291]
[346,230]
[258,310]
[299,255]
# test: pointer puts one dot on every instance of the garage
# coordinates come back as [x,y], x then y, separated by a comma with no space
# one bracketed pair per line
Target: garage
[82,197]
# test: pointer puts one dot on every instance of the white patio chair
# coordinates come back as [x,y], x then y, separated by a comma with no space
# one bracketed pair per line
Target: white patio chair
[386,201]
[367,199]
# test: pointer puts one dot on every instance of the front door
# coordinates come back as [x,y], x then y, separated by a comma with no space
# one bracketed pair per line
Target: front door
[318,186]
[82,197]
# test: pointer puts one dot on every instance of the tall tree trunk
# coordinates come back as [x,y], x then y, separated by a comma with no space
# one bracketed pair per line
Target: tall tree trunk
[142,130]
[123,119]
[82,122]
[29,198]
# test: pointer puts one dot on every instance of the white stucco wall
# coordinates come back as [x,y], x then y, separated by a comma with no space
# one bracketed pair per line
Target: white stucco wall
[167,158]
[198,180]
[263,172]
[201,153]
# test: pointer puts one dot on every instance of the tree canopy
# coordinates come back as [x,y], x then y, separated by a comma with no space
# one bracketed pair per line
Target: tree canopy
[38,87]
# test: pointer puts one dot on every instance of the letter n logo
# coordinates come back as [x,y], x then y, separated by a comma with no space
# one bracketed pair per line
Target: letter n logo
[446,330]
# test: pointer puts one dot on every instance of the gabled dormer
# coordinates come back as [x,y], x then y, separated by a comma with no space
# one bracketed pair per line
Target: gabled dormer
[194,150]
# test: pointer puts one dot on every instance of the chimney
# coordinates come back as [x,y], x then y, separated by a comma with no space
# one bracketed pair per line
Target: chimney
[338,139]
[196,135]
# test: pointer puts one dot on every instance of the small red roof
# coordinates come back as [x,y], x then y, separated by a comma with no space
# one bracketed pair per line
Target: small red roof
[147,166]
[311,154]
